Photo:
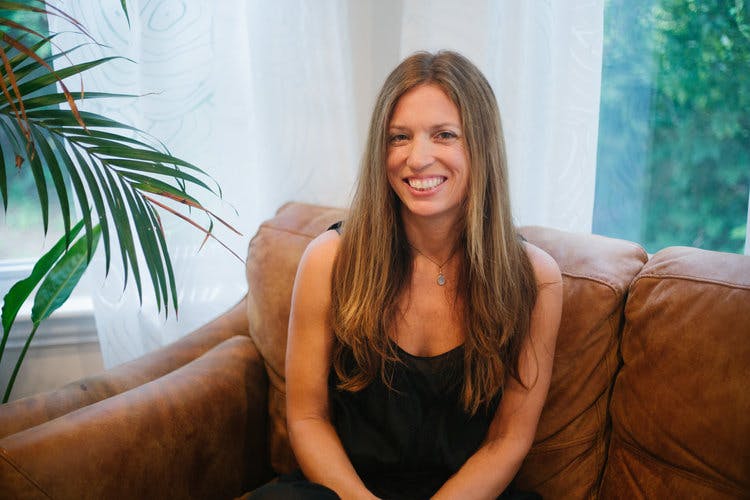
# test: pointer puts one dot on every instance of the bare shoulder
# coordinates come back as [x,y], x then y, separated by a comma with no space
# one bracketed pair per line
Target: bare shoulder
[546,270]
[545,317]
[321,252]
[311,295]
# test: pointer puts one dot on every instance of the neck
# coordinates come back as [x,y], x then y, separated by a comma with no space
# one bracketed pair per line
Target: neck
[436,239]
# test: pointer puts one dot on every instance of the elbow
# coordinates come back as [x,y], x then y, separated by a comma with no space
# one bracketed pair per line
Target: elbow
[511,447]
[300,426]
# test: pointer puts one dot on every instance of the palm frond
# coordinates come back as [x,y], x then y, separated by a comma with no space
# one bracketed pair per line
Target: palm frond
[113,171]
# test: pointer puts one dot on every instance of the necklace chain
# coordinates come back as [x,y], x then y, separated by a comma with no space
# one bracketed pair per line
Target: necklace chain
[441,277]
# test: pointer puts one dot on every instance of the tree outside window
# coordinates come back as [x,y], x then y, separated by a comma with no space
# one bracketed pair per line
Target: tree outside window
[674,137]
[20,233]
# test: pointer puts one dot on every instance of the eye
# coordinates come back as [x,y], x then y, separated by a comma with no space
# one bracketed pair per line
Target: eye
[397,138]
[446,135]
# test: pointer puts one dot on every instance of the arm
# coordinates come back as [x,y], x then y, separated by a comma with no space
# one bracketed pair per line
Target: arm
[488,472]
[308,358]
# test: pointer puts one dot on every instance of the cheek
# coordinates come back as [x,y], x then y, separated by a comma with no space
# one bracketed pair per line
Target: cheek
[392,172]
[393,169]
[464,172]
[392,160]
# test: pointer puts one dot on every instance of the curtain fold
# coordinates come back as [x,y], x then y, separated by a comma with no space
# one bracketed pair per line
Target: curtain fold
[273,100]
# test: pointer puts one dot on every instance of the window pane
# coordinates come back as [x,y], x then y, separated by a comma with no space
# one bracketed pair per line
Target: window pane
[674,137]
[21,230]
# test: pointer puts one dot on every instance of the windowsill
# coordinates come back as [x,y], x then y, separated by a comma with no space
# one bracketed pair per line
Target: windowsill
[72,324]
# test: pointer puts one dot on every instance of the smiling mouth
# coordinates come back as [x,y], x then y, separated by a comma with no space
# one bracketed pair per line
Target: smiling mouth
[425,184]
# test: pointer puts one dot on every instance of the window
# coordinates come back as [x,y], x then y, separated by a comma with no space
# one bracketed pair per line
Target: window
[21,227]
[66,346]
[674,134]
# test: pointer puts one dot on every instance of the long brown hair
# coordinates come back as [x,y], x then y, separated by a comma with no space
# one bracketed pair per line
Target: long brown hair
[374,261]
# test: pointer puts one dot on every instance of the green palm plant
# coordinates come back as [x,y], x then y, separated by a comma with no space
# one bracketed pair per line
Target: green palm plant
[119,177]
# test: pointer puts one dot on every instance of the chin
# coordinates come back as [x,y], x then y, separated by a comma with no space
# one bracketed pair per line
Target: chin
[430,209]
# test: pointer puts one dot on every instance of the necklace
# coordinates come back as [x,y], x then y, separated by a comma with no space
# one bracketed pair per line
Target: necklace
[441,277]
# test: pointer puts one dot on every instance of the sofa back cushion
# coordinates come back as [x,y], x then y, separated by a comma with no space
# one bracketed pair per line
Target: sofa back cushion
[681,405]
[272,260]
[569,452]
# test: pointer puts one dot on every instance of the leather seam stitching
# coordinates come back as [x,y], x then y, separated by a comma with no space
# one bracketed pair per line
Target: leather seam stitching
[695,279]
[615,288]
[21,471]
[541,448]
[648,457]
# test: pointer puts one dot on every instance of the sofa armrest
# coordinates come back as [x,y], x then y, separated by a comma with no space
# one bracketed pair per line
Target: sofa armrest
[34,410]
[197,432]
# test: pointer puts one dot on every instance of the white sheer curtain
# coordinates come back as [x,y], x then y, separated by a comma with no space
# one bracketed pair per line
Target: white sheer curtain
[273,99]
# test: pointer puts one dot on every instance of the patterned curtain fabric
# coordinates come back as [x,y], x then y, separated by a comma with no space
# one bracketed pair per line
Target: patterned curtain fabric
[273,100]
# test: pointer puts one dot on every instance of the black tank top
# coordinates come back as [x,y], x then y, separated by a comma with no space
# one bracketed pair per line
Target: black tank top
[406,441]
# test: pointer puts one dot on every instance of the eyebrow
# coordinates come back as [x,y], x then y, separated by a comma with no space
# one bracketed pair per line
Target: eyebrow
[433,127]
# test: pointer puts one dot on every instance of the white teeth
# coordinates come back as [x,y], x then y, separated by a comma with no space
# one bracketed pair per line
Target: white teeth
[425,184]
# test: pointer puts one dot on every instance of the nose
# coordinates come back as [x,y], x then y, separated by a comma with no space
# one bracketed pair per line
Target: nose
[420,154]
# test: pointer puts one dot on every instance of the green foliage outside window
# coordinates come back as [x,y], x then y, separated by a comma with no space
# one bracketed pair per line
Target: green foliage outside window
[21,238]
[674,137]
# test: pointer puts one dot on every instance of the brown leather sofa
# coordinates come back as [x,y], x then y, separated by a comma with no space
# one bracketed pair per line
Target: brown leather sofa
[649,397]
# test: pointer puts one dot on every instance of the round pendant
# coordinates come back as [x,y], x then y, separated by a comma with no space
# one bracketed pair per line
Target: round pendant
[441,279]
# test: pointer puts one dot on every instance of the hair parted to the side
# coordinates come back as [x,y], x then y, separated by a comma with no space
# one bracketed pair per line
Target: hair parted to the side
[373,265]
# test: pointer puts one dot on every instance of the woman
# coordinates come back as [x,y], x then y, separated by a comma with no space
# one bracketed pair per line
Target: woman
[423,328]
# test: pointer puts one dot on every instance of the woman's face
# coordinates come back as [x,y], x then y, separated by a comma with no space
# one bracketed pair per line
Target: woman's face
[427,160]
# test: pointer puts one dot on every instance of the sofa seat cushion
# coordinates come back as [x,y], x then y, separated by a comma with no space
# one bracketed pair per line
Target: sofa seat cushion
[680,404]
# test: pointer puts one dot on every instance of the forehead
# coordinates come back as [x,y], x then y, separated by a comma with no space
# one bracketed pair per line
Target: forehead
[425,105]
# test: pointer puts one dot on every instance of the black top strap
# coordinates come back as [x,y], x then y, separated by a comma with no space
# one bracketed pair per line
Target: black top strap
[337,226]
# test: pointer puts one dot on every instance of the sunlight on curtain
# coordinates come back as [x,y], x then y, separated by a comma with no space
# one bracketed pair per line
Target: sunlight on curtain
[273,100]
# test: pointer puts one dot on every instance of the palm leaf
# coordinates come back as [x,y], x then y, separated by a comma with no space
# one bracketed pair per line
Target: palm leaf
[106,190]
[61,280]
[57,286]
[96,194]
[37,169]
[147,155]
[63,118]
[16,106]
[123,224]
[55,77]
[11,152]
[17,61]
[124,6]
[149,246]
[43,8]
[24,66]
[152,168]
[48,100]
[20,291]
[4,5]
[3,179]
[152,185]
[80,190]
[22,48]
[47,157]
[156,222]
[19,27]
[205,231]
[97,137]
